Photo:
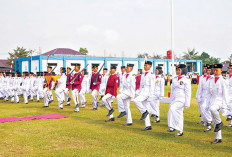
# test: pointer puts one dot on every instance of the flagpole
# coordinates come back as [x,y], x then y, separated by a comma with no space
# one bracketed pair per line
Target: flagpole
[172,43]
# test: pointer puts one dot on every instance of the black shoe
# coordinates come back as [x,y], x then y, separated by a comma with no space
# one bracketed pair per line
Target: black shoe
[229,118]
[110,112]
[100,98]
[179,134]
[69,99]
[144,115]
[26,103]
[201,122]
[94,108]
[127,124]
[31,100]
[37,101]
[17,102]
[216,141]
[60,108]
[75,111]
[45,106]
[50,101]
[208,129]
[147,128]
[109,120]
[171,130]
[156,121]
[153,115]
[218,127]
[122,114]
[67,105]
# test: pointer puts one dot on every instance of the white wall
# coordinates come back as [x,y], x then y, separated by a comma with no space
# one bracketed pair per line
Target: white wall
[68,63]
[198,67]
[59,65]
[136,65]
[35,66]
[25,66]
[170,68]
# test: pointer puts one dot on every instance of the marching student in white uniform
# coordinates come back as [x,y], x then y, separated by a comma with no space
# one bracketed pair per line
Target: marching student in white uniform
[2,95]
[127,93]
[47,88]
[31,89]
[123,72]
[180,98]
[11,86]
[84,88]
[218,99]
[202,97]
[17,89]
[229,114]
[103,83]
[61,85]
[158,94]
[199,90]
[145,95]
[6,86]
[25,86]
[39,90]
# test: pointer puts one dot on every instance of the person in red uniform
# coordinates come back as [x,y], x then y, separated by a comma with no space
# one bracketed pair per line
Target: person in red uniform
[68,86]
[95,85]
[76,86]
[111,92]
[48,97]
[137,83]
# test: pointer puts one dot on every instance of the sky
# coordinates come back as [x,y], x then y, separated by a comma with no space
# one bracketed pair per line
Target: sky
[121,28]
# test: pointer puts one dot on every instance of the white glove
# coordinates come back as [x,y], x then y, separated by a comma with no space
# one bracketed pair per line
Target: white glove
[94,83]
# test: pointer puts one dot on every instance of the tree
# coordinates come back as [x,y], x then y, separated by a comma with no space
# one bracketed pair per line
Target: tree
[157,56]
[140,55]
[191,54]
[19,52]
[83,50]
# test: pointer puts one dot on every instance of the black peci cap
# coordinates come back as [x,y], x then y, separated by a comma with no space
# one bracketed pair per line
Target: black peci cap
[95,65]
[123,67]
[218,66]
[130,65]
[181,66]
[209,66]
[105,69]
[148,62]
[113,67]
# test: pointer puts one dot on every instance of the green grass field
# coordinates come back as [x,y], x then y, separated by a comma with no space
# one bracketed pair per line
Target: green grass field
[86,134]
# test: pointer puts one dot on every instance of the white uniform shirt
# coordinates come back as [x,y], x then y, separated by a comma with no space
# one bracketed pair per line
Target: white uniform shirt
[25,83]
[128,85]
[61,82]
[159,87]
[85,84]
[147,84]
[218,93]
[181,90]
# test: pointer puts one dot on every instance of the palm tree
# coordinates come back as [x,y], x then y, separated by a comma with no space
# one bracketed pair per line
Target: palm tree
[191,54]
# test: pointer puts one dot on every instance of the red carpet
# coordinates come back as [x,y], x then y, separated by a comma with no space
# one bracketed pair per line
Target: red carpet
[44,116]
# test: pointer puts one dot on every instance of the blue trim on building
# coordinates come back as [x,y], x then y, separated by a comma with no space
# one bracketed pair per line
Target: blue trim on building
[154,66]
[167,67]
[87,58]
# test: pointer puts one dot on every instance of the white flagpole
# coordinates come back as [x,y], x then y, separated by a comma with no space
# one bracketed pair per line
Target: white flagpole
[172,43]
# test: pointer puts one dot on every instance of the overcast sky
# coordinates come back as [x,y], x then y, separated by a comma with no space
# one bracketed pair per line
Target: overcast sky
[117,26]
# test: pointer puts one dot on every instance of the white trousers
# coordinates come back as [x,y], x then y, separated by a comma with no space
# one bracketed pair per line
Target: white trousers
[102,89]
[47,96]
[25,94]
[124,105]
[75,93]
[66,93]
[94,97]
[176,115]
[205,113]
[154,107]
[82,96]
[107,100]
[60,96]
[215,109]
[142,105]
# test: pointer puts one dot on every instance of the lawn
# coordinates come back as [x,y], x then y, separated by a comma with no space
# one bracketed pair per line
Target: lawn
[86,134]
